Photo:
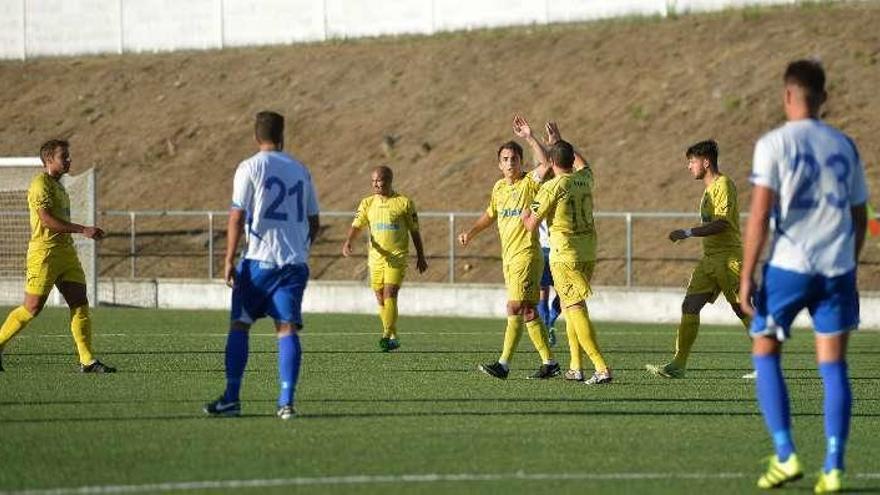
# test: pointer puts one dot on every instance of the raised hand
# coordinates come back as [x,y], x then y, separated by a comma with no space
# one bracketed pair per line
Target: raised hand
[521,127]
[553,134]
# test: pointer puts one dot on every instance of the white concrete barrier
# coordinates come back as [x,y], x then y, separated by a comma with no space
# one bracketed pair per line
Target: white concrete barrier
[641,305]
[33,28]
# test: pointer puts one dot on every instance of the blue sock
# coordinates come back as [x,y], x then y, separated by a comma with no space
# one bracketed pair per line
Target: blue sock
[555,310]
[236,360]
[838,407]
[544,312]
[289,358]
[773,399]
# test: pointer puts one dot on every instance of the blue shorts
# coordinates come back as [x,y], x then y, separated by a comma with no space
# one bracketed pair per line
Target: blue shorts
[833,302]
[264,289]
[546,277]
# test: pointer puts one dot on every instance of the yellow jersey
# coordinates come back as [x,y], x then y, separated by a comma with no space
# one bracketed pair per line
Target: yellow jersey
[566,201]
[46,193]
[506,206]
[720,203]
[390,220]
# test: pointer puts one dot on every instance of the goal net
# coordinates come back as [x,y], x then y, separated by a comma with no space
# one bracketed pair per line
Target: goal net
[15,230]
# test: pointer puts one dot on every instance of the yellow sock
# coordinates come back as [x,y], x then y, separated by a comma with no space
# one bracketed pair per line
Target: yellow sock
[81,328]
[384,319]
[574,348]
[684,339]
[18,319]
[391,316]
[579,318]
[538,334]
[511,338]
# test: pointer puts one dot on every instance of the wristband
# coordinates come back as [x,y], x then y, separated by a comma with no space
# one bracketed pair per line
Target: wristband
[688,233]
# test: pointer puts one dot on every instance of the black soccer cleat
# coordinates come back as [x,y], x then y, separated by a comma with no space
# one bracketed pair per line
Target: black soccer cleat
[222,408]
[495,369]
[96,367]
[1,363]
[384,344]
[393,344]
[546,371]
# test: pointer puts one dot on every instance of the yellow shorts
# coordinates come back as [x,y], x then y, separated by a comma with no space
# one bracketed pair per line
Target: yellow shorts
[715,275]
[522,276]
[572,281]
[386,272]
[46,267]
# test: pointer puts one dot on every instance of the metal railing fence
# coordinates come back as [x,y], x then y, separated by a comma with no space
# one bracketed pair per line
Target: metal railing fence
[162,235]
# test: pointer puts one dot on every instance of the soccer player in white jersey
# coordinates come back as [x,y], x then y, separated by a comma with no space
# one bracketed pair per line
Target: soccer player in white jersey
[808,176]
[274,199]
[548,310]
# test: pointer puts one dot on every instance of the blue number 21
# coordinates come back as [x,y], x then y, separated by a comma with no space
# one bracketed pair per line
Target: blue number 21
[276,184]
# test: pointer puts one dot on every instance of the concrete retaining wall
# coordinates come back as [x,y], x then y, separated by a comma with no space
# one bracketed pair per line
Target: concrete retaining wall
[34,28]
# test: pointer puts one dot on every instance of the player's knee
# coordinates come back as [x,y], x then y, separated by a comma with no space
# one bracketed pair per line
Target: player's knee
[34,307]
[692,305]
[239,326]
[765,346]
[514,308]
[529,313]
[391,291]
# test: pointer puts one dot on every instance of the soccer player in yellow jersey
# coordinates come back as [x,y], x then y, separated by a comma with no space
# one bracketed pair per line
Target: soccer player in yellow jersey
[52,259]
[522,259]
[391,218]
[566,201]
[719,269]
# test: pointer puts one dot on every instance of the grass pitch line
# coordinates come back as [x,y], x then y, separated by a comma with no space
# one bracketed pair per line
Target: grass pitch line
[393,479]
[374,479]
[321,334]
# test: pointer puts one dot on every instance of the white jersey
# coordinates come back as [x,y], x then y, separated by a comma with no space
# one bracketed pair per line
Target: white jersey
[817,175]
[277,193]
[544,234]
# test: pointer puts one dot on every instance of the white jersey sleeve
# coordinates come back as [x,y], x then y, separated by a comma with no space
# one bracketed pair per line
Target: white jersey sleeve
[242,188]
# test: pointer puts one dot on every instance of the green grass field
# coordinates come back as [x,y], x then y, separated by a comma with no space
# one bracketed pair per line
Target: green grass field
[421,419]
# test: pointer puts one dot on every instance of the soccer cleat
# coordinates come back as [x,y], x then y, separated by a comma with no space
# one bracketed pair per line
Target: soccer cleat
[546,371]
[780,473]
[222,408]
[1,363]
[551,337]
[752,375]
[384,344]
[830,482]
[667,370]
[96,367]
[285,412]
[393,344]
[574,375]
[599,378]
[495,369]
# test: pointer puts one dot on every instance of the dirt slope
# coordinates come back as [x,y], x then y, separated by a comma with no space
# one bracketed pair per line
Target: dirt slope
[167,130]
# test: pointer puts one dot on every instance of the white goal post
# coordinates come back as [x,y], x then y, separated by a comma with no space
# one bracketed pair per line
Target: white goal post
[16,174]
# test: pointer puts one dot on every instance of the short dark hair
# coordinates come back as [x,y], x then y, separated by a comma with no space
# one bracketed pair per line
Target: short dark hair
[809,75]
[562,154]
[48,148]
[512,146]
[386,172]
[269,127]
[707,149]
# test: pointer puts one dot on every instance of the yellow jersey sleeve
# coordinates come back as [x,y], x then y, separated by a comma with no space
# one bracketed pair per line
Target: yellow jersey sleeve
[412,216]
[491,209]
[545,199]
[361,218]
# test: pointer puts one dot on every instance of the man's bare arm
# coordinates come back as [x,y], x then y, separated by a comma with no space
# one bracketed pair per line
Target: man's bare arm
[60,226]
